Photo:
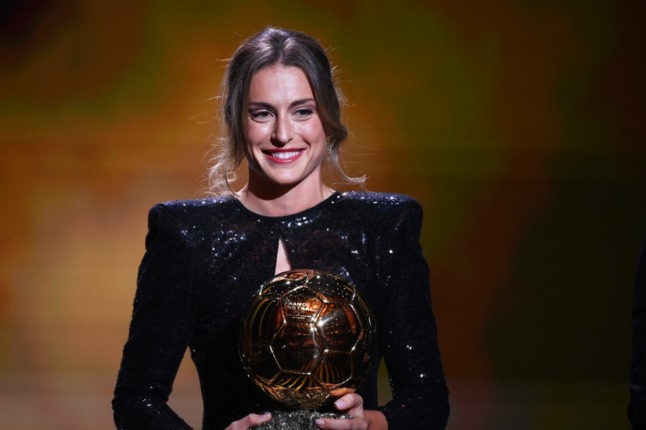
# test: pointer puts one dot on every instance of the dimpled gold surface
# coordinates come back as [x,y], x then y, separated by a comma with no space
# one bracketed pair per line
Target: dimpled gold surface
[306,334]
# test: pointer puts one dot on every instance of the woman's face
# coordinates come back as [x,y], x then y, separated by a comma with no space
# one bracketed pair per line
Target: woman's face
[285,136]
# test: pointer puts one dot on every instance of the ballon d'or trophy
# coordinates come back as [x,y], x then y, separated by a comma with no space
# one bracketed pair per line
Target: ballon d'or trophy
[306,340]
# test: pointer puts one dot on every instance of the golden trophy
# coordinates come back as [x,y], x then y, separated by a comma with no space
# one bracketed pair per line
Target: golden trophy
[306,340]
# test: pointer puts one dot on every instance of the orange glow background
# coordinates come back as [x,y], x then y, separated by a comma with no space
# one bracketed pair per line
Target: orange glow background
[518,124]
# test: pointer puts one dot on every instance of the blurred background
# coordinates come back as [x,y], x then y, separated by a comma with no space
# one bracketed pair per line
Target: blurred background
[518,124]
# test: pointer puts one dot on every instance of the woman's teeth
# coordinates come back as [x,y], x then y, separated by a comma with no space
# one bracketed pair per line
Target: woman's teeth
[285,155]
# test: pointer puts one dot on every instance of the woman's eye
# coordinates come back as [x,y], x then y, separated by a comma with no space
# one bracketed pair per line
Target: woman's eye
[260,115]
[304,113]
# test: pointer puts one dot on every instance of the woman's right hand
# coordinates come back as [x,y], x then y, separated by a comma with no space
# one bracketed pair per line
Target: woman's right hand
[249,422]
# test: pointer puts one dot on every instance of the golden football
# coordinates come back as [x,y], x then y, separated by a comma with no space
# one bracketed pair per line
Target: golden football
[307,337]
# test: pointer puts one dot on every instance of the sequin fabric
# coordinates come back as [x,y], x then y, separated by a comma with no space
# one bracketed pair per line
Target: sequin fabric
[204,261]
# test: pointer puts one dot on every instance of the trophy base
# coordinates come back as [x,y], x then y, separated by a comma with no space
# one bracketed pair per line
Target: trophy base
[297,420]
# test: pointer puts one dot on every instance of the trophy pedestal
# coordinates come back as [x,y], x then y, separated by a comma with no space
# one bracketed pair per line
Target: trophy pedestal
[297,420]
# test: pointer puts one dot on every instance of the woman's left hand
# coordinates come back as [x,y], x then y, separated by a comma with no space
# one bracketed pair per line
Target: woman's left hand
[351,404]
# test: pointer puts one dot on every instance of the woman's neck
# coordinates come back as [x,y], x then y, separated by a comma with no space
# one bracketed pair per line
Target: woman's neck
[283,201]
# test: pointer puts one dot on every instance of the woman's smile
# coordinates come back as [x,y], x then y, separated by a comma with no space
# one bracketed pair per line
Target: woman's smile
[283,156]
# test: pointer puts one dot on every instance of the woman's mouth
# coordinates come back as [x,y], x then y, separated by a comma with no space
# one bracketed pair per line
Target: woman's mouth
[283,156]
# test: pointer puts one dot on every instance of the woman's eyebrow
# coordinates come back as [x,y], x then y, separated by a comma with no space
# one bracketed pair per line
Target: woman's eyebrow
[259,104]
[301,102]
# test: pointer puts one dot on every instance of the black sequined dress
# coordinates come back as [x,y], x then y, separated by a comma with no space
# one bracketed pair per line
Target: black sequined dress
[204,261]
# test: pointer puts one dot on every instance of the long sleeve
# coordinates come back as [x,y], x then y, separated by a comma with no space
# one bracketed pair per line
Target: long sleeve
[637,405]
[161,328]
[408,334]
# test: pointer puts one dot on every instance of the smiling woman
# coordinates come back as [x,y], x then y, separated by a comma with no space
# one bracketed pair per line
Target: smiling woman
[272,48]
[286,141]
[205,259]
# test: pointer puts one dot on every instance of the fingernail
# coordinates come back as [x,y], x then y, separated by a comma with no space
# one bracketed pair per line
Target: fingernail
[320,422]
[339,404]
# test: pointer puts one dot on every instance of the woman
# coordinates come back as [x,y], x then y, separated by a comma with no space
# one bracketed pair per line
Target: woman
[205,259]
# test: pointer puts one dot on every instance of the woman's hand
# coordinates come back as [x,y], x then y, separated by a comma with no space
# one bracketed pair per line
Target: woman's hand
[249,422]
[351,404]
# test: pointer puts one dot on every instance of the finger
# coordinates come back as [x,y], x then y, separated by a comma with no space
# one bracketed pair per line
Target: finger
[352,404]
[257,419]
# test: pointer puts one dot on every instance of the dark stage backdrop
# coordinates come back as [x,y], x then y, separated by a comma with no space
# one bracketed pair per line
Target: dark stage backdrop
[518,124]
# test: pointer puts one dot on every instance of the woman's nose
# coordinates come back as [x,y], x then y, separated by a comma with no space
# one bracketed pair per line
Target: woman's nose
[283,133]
